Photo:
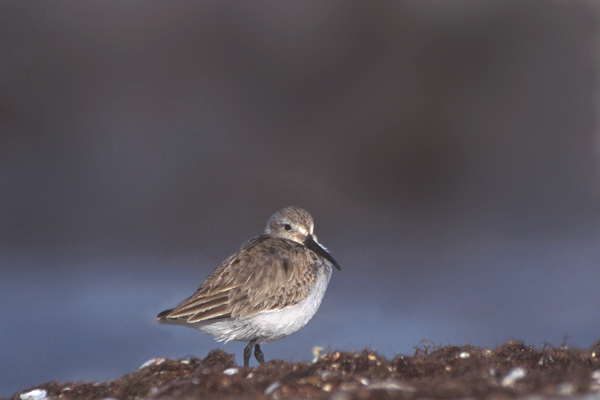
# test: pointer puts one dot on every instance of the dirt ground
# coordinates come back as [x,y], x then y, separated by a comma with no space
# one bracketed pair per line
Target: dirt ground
[512,370]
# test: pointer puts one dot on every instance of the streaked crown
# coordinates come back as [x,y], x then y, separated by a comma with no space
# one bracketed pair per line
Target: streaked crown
[291,223]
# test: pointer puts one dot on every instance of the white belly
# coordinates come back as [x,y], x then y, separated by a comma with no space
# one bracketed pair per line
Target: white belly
[269,326]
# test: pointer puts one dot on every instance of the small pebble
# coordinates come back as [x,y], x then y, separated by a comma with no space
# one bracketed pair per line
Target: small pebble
[311,380]
[464,355]
[341,396]
[224,382]
[348,386]
[566,389]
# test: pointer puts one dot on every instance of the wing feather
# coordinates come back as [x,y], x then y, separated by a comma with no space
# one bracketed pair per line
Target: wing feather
[265,274]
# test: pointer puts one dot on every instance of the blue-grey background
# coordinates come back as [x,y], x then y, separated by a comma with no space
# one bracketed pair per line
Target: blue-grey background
[448,151]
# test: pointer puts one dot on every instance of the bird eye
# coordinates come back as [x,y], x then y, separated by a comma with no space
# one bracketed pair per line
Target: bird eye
[287,227]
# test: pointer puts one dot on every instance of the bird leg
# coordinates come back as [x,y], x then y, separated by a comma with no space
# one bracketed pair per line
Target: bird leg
[248,352]
[259,355]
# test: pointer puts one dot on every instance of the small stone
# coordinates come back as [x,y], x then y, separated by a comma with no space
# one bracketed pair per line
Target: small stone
[311,380]
[328,387]
[225,381]
[464,355]
[348,386]
[566,389]
[341,396]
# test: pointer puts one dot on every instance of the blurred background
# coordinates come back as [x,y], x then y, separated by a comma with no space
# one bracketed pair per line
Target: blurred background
[448,151]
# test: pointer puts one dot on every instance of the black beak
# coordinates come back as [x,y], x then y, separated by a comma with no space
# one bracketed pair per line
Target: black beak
[314,246]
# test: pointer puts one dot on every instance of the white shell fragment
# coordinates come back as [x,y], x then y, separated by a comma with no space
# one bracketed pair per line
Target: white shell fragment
[317,351]
[272,387]
[595,384]
[36,394]
[513,376]
[152,361]
[231,371]
[392,384]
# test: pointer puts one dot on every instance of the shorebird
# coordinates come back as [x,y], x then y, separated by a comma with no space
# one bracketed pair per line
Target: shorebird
[266,291]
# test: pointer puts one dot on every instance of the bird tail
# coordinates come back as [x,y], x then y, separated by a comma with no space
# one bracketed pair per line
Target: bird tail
[161,317]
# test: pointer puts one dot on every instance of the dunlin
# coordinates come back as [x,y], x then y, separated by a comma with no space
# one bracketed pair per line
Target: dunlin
[266,291]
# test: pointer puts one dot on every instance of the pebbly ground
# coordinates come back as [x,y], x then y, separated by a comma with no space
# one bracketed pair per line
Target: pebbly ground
[513,370]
